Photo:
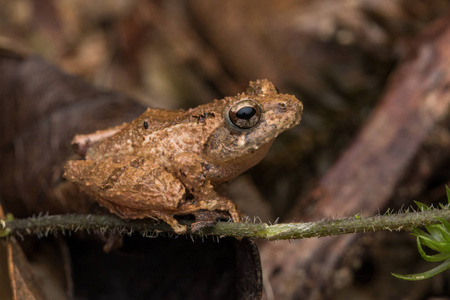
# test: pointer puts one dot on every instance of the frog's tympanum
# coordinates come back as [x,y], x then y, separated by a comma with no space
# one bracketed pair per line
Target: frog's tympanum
[167,163]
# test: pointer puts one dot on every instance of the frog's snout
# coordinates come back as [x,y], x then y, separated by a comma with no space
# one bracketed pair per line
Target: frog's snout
[293,107]
[282,107]
[299,109]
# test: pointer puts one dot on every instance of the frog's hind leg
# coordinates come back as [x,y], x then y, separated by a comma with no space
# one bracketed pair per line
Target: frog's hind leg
[131,187]
[130,213]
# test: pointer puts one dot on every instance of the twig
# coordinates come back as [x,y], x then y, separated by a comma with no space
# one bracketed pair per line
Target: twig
[44,225]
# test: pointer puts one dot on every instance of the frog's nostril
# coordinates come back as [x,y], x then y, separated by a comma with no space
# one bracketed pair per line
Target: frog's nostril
[282,106]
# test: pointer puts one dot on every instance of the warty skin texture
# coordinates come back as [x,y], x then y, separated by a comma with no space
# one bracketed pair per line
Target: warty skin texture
[166,163]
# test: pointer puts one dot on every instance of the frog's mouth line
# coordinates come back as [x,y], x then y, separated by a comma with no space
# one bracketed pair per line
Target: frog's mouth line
[246,140]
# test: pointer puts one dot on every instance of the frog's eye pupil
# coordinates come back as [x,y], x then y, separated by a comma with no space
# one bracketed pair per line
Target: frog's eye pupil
[145,124]
[246,112]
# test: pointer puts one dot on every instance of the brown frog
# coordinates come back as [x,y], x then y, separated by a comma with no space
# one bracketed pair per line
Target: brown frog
[167,163]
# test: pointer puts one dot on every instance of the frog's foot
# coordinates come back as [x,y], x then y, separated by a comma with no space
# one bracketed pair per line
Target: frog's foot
[177,227]
[234,214]
[218,204]
[226,205]
[206,218]
[169,219]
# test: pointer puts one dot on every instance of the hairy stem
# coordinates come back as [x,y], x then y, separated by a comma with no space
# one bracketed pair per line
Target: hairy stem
[43,225]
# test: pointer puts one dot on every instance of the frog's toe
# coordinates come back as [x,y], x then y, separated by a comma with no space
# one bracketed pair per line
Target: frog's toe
[169,219]
[235,216]
[232,210]
[206,218]
[196,226]
[179,229]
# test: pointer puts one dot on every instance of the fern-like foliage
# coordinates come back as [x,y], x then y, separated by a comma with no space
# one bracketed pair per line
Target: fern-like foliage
[437,239]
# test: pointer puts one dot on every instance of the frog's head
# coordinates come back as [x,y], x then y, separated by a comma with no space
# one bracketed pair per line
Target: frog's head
[252,120]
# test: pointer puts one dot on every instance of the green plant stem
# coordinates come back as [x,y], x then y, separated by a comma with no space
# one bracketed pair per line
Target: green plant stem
[43,225]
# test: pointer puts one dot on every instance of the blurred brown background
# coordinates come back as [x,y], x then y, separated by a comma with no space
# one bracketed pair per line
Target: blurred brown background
[335,56]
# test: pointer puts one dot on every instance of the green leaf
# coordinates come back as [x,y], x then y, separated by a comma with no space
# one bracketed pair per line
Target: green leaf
[437,239]
[447,190]
[425,275]
[438,246]
[435,233]
[3,230]
[431,258]
[421,206]
[445,223]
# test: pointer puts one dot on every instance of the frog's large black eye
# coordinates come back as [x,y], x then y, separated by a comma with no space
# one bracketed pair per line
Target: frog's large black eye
[145,124]
[245,114]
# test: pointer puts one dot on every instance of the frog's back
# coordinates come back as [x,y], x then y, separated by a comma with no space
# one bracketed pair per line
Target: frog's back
[154,119]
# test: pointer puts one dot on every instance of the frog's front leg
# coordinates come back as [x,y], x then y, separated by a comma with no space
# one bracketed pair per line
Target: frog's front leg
[191,174]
